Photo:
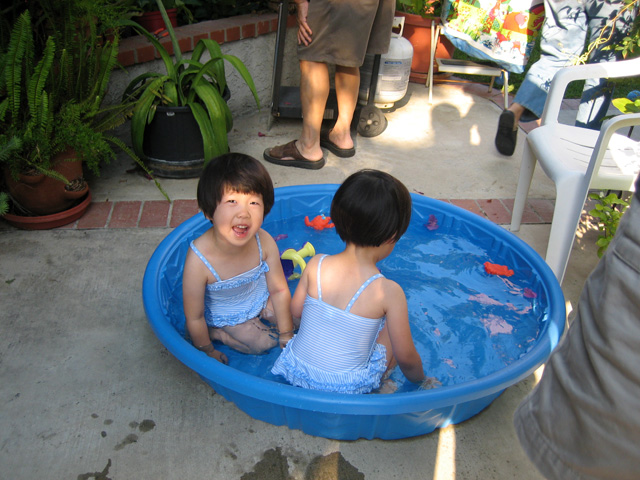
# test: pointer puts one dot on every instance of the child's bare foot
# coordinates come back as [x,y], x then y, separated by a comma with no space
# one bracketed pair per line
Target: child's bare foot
[429,382]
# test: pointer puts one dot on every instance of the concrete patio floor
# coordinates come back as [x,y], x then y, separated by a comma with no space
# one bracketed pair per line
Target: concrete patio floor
[88,391]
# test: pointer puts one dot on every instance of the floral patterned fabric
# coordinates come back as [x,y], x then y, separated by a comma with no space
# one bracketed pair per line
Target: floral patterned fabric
[503,31]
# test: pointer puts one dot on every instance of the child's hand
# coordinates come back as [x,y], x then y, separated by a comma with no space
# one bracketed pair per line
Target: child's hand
[213,353]
[218,355]
[429,382]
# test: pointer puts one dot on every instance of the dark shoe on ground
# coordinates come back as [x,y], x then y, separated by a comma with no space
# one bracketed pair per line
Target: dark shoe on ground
[333,148]
[507,135]
[289,156]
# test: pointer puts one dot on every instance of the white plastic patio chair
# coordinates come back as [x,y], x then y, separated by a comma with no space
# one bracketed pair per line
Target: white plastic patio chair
[577,159]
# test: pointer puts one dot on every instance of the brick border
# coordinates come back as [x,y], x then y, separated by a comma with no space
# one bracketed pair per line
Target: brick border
[137,49]
[162,214]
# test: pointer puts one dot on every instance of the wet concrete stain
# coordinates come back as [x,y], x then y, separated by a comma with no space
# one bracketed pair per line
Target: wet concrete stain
[97,475]
[147,425]
[144,426]
[275,466]
[332,467]
[129,439]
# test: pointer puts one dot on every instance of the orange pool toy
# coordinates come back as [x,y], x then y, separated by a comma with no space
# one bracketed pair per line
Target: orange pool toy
[319,223]
[495,269]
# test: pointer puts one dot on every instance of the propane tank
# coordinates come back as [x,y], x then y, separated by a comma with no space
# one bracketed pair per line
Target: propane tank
[393,73]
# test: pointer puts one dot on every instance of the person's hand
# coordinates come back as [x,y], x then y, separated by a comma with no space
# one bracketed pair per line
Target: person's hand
[429,382]
[213,353]
[218,355]
[304,31]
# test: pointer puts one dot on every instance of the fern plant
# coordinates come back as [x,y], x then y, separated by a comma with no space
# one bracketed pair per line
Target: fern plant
[51,101]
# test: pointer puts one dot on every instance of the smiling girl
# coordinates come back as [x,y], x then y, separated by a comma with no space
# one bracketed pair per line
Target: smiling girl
[233,277]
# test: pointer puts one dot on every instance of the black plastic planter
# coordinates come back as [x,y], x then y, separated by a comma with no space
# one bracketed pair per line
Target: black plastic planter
[173,143]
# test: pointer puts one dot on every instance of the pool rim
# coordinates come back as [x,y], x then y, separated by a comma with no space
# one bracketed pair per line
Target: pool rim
[338,403]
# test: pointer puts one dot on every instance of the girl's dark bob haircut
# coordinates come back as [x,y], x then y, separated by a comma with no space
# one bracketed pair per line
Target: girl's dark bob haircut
[371,208]
[237,172]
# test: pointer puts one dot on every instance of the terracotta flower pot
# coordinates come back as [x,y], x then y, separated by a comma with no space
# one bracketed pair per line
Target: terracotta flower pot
[54,220]
[418,31]
[43,195]
[152,21]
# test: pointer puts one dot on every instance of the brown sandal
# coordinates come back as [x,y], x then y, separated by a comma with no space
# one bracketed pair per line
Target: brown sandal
[325,142]
[289,156]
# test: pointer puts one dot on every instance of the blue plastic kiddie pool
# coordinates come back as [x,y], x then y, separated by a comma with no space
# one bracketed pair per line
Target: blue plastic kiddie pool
[477,332]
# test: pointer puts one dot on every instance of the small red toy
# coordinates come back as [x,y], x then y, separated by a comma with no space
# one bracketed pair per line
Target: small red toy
[495,269]
[319,223]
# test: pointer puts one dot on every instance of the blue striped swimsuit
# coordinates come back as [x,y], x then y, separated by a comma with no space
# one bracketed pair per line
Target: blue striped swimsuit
[237,299]
[334,350]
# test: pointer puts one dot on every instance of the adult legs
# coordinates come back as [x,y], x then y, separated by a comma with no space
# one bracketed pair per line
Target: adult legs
[305,152]
[314,92]
[347,82]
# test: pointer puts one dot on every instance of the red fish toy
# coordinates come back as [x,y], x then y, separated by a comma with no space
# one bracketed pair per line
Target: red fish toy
[319,223]
[495,269]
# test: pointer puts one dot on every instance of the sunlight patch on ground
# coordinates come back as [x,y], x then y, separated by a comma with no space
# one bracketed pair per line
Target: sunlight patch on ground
[474,136]
[445,467]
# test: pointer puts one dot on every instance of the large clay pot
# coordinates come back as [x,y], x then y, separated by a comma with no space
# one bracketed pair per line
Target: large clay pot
[44,195]
[418,31]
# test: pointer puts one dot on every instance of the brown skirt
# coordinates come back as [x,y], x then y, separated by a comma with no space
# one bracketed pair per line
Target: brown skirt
[343,31]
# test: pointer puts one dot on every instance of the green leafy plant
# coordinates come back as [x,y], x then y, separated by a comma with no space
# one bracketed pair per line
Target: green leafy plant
[4,203]
[627,105]
[193,82]
[424,8]
[51,97]
[28,107]
[4,197]
[608,211]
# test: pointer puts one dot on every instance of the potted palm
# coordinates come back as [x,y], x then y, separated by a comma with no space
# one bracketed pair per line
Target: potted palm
[52,121]
[181,118]
[419,15]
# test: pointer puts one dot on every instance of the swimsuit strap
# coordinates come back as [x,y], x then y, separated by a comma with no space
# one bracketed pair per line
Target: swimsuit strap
[209,266]
[205,261]
[364,285]
[357,294]
[318,274]
[259,246]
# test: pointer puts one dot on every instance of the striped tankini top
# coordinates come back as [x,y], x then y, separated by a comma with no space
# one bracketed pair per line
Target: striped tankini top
[237,299]
[334,350]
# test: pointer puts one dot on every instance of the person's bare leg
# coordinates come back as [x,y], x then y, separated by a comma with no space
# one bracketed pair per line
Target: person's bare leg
[517,110]
[252,337]
[386,384]
[347,85]
[314,92]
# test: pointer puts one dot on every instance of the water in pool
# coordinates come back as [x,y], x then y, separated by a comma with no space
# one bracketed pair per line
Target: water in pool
[466,323]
